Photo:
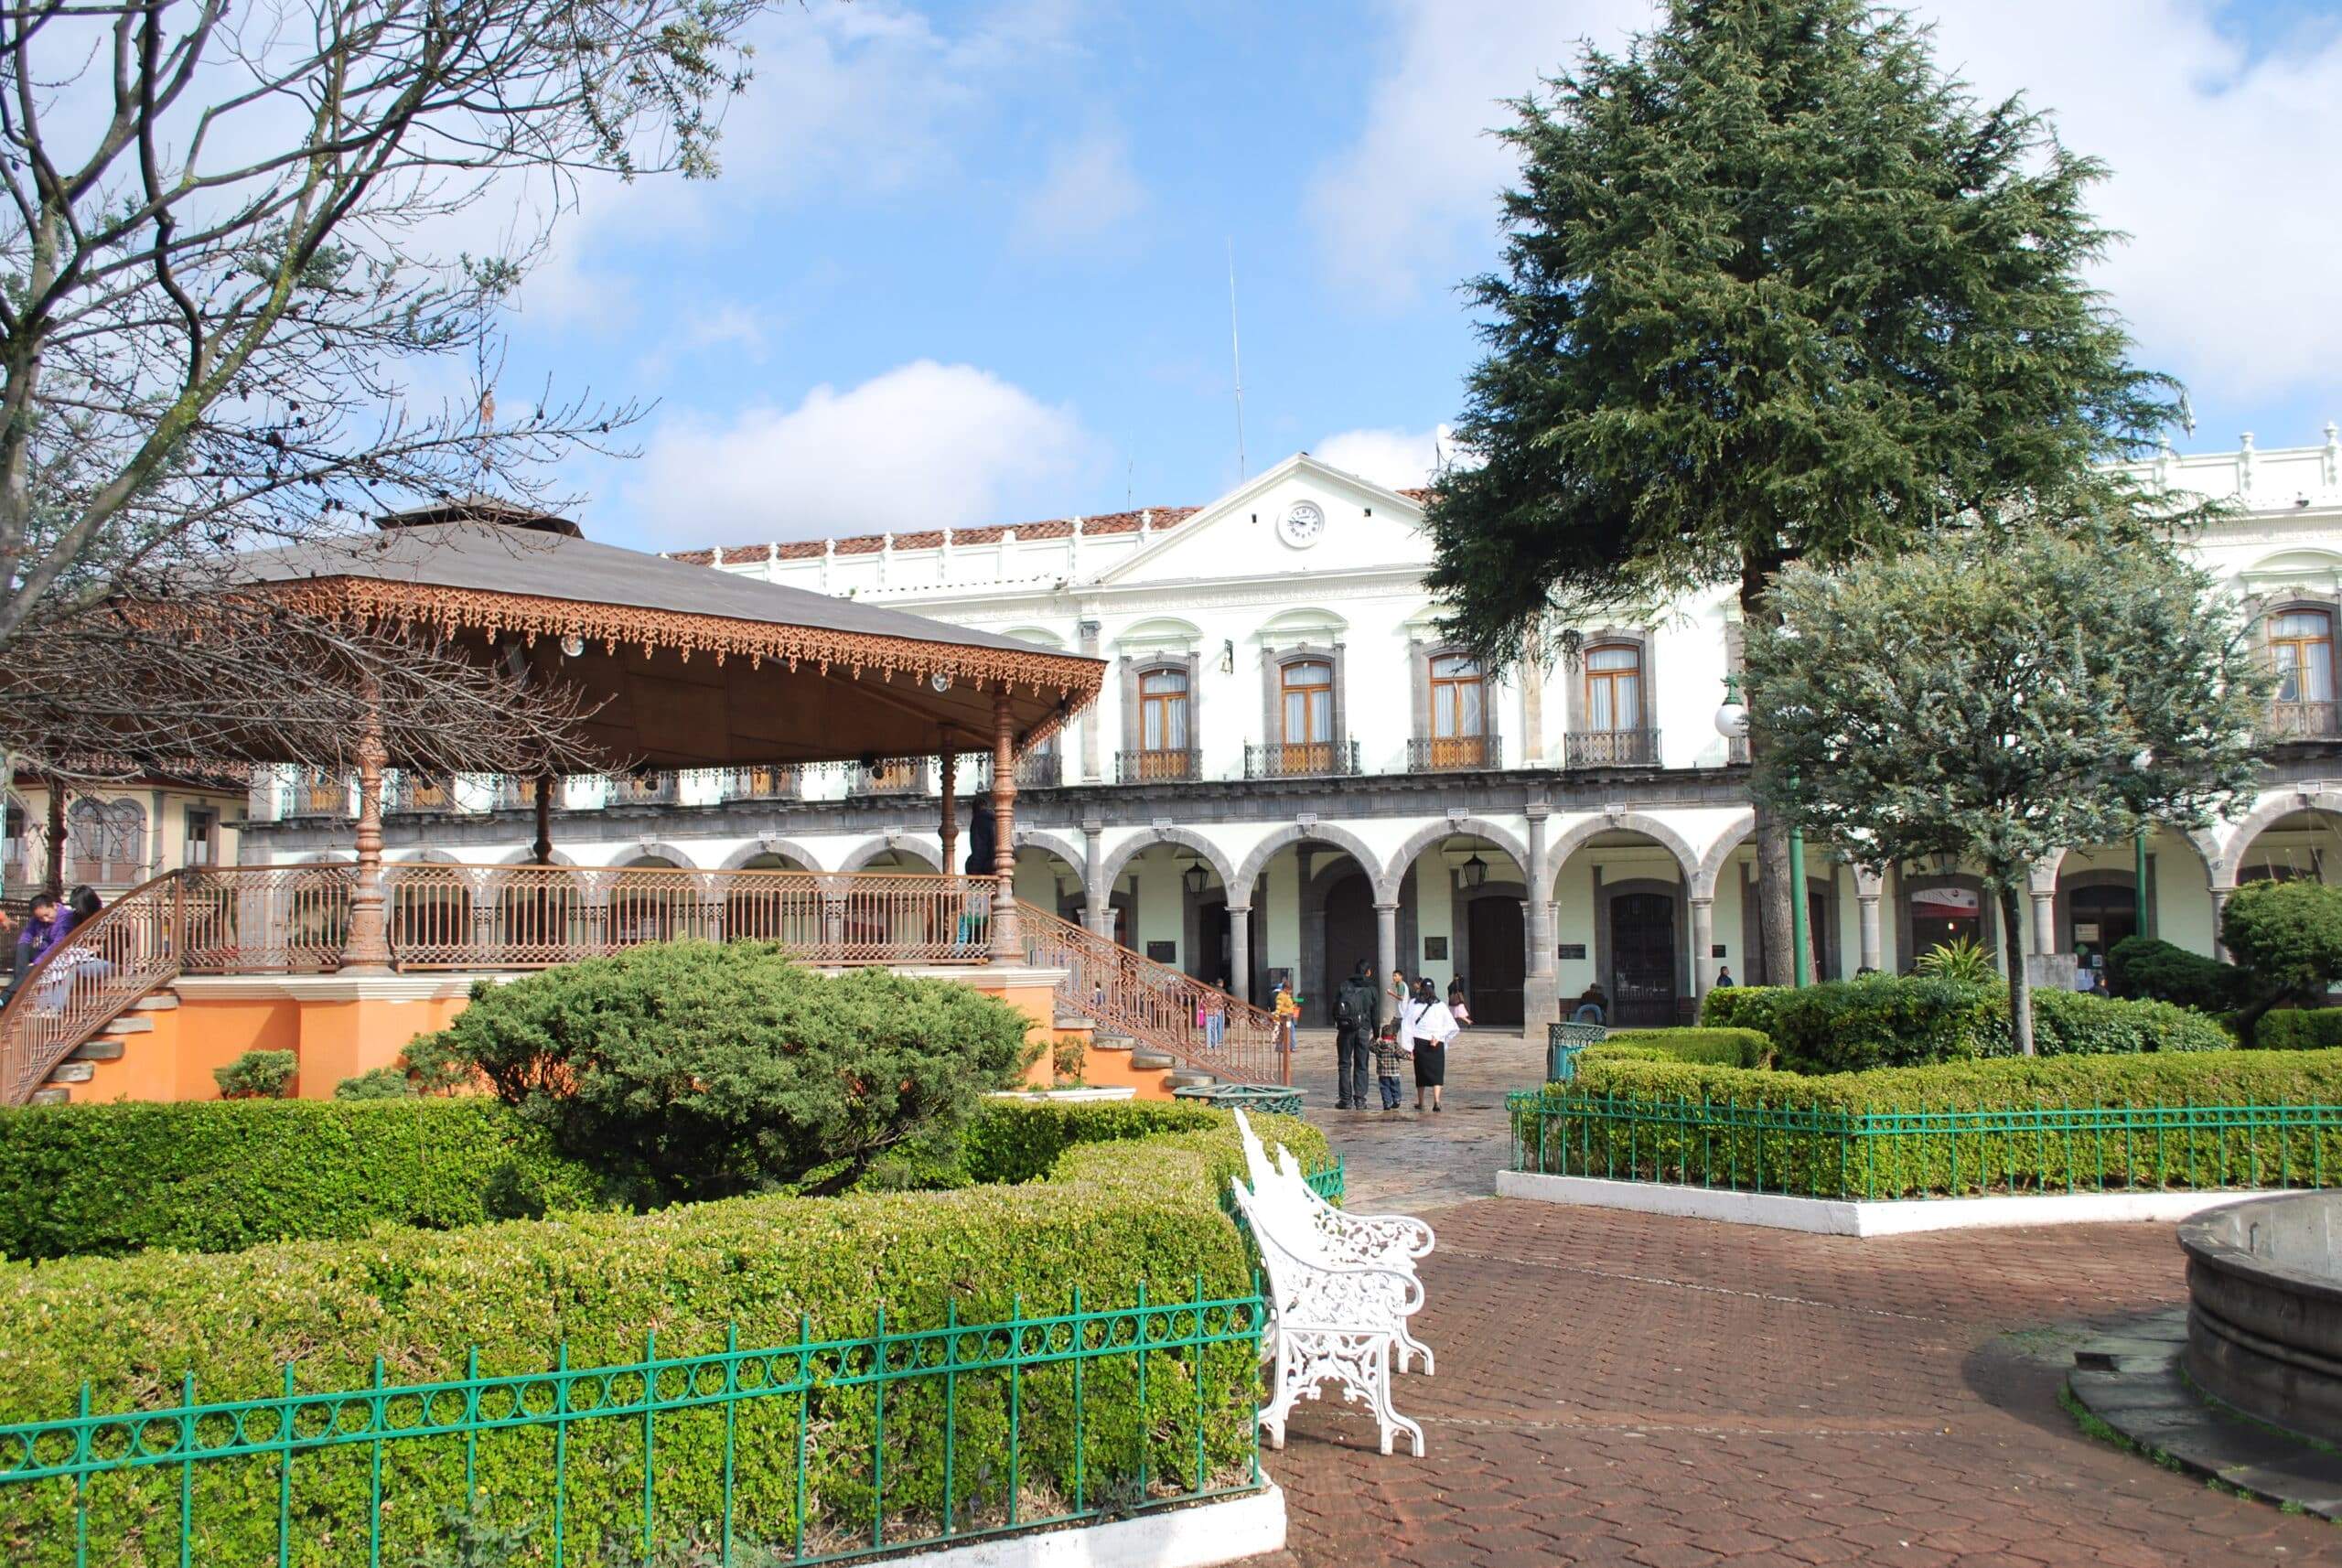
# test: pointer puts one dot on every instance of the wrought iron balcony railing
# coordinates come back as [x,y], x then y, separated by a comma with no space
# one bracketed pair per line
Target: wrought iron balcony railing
[661,788]
[1447,753]
[1302,759]
[2302,721]
[320,795]
[896,779]
[1034,771]
[1158,767]
[1611,748]
[408,795]
[763,783]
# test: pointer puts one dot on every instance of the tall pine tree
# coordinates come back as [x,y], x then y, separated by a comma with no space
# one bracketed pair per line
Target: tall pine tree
[1775,288]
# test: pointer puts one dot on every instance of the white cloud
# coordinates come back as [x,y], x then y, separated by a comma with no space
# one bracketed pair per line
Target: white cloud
[920,446]
[2221,162]
[1395,459]
[1089,190]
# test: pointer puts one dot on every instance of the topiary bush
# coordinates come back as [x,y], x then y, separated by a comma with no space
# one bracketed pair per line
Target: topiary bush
[1109,1220]
[1888,1020]
[1709,1046]
[2150,970]
[381,1083]
[257,1075]
[693,1070]
[214,1176]
[1742,1007]
[2069,1023]
[2288,937]
[2299,1029]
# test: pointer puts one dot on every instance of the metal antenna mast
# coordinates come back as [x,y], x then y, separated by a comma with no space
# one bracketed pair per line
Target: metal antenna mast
[1236,353]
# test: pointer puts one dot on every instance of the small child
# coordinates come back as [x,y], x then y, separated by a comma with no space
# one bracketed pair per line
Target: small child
[1388,1055]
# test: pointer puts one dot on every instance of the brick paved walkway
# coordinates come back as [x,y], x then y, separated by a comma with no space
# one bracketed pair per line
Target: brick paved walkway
[1615,1388]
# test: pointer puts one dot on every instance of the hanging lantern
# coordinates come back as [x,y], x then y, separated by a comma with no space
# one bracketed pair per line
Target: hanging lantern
[1194,876]
[1475,871]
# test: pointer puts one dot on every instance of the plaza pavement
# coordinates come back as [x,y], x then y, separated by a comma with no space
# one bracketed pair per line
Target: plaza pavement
[1620,1389]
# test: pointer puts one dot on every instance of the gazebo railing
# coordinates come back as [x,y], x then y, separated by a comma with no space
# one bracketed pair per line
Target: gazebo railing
[295,920]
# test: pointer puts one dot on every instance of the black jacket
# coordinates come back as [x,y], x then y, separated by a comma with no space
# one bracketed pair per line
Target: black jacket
[981,839]
[1360,996]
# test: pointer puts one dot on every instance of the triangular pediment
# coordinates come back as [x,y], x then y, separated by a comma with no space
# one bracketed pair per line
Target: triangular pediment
[1301,518]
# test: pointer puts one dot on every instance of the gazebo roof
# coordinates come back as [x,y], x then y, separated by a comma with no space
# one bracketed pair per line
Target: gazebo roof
[691,667]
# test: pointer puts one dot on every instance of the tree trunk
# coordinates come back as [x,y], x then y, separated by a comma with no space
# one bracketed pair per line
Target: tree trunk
[53,879]
[1775,897]
[2012,947]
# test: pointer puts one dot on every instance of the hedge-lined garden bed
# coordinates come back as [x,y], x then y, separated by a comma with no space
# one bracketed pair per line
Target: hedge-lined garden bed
[2208,1119]
[1125,1199]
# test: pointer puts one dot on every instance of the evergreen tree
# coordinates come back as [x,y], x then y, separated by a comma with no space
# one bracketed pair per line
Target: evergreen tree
[1996,696]
[1775,289]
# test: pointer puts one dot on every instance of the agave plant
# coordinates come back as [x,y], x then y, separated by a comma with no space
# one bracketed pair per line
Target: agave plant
[1959,960]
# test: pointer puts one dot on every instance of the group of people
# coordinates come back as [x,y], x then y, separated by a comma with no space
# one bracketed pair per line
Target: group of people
[1416,1035]
[47,927]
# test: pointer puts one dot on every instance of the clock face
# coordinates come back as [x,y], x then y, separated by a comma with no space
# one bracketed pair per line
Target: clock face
[1303,525]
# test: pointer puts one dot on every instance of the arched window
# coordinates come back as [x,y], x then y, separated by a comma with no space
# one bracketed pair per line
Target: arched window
[1460,714]
[1614,687]
[2301,652]
[1164,736]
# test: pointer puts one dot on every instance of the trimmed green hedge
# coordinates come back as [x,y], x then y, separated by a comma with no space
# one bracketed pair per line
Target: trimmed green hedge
[216,1176]
[1742,1007]
[1888,1020]
[1109,1217]
[1788,1132]
[1707,1047]
[2299,1029]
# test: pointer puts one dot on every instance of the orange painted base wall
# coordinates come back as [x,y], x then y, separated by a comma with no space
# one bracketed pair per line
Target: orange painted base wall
[339,1038]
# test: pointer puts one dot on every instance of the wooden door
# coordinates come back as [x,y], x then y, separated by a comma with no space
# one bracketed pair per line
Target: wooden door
[1500,961]
[1642,961]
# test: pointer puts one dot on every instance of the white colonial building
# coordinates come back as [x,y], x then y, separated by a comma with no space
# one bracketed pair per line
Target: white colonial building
[1291,771]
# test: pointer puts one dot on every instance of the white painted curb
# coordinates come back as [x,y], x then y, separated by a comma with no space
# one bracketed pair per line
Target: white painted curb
[1846,1217]
[1175,1537]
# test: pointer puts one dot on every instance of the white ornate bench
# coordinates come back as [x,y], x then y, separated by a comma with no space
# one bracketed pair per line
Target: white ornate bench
[1336,1322]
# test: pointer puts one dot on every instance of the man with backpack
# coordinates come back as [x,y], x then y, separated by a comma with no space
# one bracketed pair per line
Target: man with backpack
[1354,1007]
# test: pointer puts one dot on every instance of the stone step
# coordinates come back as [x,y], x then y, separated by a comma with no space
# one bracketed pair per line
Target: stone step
[1144,1061]
[128,1026]
[1074,1024]
[51,1097]
[1112,1042]
[71,1072]
[98,1051]
[157,1002]
[1191,1077]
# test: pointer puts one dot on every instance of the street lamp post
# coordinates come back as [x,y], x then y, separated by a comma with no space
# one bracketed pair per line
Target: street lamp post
[1731,723]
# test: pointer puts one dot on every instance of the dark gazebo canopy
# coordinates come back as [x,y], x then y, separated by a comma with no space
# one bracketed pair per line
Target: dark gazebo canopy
[685,666]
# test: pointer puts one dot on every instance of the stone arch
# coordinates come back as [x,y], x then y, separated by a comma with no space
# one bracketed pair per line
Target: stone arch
[1386,890]
[926,849]
[1431,833]
[626,854]
[1650,827]
[425,857]
[529,857]
[2271,810]
[1057,844]
[755,847]
[1710,865]
[1111,869]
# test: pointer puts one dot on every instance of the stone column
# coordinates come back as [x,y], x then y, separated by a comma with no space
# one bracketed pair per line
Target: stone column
[1240,950]
[2219,914]
[1007,941]
[1703,946]
[2045,920]
[366,949]
[1541,895]
[1867,889]
[1386,954]
[1098,900]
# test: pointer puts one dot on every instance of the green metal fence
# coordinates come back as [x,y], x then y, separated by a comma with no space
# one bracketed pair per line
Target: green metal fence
[1830,1152]
[806,1452]
[1329,1182]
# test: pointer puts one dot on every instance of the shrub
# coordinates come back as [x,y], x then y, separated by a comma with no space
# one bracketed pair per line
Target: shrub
[1714,1047]
[1961,960]
[1742,1007]
[214,1176]
[699,1069]
[1677,1122]
[2155,970]
[2300,1029]
[2288,936]
[1109,1220]
[1886,1020]
[257,1075]
[381,1083]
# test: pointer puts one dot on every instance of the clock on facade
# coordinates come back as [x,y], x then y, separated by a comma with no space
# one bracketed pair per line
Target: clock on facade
[1302,525]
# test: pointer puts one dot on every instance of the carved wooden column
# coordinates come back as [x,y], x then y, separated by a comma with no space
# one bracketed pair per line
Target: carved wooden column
[366,949]
[947,765]
[542,850]
[1007,941]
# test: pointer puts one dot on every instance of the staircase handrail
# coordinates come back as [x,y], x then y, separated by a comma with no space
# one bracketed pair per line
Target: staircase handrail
[87,980]
[1155,1004]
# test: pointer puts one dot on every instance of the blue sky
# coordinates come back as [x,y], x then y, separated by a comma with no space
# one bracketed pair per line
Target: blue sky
[968,262]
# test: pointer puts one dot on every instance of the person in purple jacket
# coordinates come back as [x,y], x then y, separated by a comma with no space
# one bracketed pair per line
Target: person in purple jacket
[48,924]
